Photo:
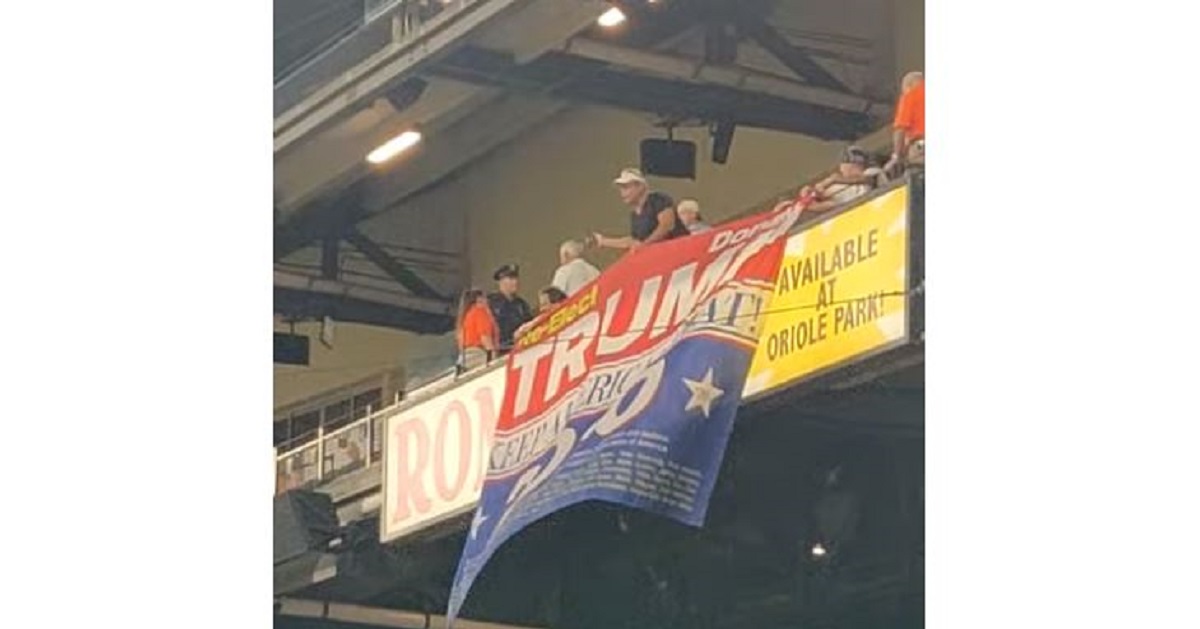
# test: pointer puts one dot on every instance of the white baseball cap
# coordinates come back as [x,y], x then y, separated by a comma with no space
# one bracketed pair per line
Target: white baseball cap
[629,175]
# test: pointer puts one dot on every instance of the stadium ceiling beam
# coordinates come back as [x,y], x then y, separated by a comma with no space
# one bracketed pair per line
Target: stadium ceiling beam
[442,156]
[352,304]
[499,121]
[330,257]
[397,270]
[324,217]
[727,75]
[372,76]
[737,107]
[794,58]
[586,80]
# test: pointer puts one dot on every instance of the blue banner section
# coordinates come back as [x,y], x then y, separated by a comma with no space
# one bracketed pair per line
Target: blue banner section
[665,460]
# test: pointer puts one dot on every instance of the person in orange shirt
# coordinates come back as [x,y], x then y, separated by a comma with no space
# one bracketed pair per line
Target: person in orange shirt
[477,332]
[908,136]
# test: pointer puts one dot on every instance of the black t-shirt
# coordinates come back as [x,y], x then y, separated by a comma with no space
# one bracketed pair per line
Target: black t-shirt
[642,223]
[509,314]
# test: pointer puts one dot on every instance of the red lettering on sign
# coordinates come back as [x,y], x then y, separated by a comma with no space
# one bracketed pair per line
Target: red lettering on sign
[442,459]
[409,472]
[438,454]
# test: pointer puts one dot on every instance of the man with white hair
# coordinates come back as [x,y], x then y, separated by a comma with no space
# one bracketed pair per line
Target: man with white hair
[689,214]
[574,272]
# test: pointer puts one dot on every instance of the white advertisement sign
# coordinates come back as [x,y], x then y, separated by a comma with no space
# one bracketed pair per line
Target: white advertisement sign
[435,455]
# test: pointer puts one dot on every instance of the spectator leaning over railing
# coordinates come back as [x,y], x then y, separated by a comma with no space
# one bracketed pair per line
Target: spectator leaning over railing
[652,216]
[908,135]
[477,333]
[853,178]
[574,272]
[508,308]
[689,212]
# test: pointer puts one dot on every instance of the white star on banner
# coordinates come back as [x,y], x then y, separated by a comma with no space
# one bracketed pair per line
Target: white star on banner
[477,522]
[703,393]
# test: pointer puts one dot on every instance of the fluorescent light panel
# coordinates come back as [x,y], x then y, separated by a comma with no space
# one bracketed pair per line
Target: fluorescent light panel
[394,147]
[611,17]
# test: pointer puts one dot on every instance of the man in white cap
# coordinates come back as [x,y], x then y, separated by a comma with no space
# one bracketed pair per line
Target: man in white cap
[574,272]
[652,216]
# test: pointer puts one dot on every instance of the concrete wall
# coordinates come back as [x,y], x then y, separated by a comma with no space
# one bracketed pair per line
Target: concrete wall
[910,35]
[523,199]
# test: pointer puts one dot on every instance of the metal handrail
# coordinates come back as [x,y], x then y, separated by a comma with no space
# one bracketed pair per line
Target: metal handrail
[446,380]
[321,434]
[372,427]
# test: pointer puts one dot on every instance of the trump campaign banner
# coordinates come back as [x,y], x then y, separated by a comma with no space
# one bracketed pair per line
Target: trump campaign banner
[627,392]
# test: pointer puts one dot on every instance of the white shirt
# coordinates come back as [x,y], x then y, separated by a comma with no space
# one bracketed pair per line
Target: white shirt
[842,193]
[572,276]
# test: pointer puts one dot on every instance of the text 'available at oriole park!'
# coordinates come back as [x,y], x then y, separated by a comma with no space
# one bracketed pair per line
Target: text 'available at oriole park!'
[840,293]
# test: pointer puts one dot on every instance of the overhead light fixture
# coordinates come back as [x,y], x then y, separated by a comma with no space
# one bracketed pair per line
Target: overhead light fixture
[394,147]
[611,17]
[818,550]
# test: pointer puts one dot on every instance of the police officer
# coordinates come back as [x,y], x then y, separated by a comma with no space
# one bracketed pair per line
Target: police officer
[508,308]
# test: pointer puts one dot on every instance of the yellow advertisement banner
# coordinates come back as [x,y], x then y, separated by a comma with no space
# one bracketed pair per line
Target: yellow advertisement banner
[840,294]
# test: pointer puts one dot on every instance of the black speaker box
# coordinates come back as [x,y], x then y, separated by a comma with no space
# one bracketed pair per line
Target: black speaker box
[291,349]
[669,158]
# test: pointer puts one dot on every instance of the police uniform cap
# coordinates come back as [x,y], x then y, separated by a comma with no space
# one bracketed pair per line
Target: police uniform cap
[508,270]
